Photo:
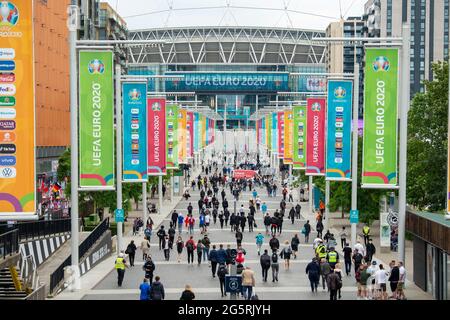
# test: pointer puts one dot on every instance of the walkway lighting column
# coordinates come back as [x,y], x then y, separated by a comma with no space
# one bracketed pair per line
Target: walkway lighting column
[119,154]
[72,25]
[354,204]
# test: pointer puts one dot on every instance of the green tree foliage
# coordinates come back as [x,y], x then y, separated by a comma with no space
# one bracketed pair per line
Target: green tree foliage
[427,143]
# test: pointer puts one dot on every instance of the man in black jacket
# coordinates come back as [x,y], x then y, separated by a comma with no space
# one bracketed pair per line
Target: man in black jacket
[251,222]
[161,235]
[298,209]
[274,243]
[265,264]
[157,290]
[149,267]
[172,233]
[239,237]
[174,217]
[370,250]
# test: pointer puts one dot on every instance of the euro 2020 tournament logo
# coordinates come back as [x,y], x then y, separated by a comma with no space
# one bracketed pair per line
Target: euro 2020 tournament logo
[134,94]
[316,107]
[9,14]
[96,67]
[340,93]
[381,64]
[156,106]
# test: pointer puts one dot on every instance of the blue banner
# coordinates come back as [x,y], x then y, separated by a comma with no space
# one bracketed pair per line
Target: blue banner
[196,132]
[339,123]
[134,104]
[226,81]
[275,133]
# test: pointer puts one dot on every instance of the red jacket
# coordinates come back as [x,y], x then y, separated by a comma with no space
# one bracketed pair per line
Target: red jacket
[193,244]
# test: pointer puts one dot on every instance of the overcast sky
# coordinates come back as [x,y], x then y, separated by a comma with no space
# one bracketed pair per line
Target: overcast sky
[307,14]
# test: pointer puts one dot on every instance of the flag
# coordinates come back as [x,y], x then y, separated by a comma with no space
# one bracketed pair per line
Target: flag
[56,187]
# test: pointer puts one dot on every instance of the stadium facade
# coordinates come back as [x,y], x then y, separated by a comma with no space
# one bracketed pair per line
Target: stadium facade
[240,69]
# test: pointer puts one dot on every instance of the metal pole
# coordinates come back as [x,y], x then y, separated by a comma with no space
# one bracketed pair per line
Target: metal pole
[160,195]
[404,107]
[171,186]
[355,150]
[144,203]
[74,224]
[119,155]
[225,129]
[327,202]
[258,146]
[310,194]
[233,272]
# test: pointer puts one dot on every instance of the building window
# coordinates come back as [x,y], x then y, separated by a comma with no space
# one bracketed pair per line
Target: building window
[389,18]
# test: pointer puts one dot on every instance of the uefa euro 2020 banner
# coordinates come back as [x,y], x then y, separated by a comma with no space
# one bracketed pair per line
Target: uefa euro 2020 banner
[280,134]
[172,136]
[96,120]
[134,96]
[17,115]
[190,134]
[339,127]
[156,128]
[315,157]
[268,132]
[380,119]
[299,137]
[275,133]
[288,137]
[182,136]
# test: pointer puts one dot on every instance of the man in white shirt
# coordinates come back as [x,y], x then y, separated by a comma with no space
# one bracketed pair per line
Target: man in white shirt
[380,280]
[401,281]
[358,246]
[372,270]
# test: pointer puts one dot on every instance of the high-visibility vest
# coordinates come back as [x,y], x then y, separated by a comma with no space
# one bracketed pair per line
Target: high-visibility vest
[322,251]
[120,264]
[366,230]
[332,257]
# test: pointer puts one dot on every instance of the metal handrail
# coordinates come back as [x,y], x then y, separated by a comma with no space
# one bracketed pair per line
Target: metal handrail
[9,244]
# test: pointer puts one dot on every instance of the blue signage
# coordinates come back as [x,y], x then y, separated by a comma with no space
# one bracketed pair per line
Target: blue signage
[233,284]
[119,215]
[7,161]
[7,65]
[339,124]
[354,216]
[134,131]
[221,82]
[274,132]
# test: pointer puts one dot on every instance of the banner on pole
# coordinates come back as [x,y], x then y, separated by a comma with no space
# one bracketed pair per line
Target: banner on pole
[280,119]
[288,137]
[269,132]
[172,136]
[156,128]
[274,133]
[17,115]
[315,157]
[380,119]
[190,134]
[134,97]
[299,138]
[96,115]
[339,127]
[196,132]
[182,136]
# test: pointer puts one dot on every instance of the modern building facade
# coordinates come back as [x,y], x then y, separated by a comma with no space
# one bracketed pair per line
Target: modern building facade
[52,82]
[237,69]
[341,57]
[429,20]
[89,19]
[113,27]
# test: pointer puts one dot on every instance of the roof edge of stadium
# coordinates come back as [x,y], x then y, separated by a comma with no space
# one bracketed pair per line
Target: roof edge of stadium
[227,27]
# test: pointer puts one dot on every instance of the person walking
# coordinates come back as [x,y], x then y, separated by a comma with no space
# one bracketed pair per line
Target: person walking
[357,259]
[221,273]
[149,267]
[145,248]
[313,272]
[338,271]
[274,243]
[213,259]
[370,251]
[394,277]
[319,228]
[131,252]
[248,282]
[239,238]
[347,258]
[174,217]
[306,231]
[264,208]
[298,209]
[180,222]
[332,257]
[292,215]
[267,222]
[120,265]
[295,241]
[221,219]
[157,290]
[251,222]
[166,249]
[334,284]
[401,281]
[380,281]
[265,264]
[161,235]
[275,265]
[366,234]
[285,254]
[190,248]
[187,294]
[199,251]
[259,242]
[325,270]
[171,233]
[144,290]
[180,246]
[206,245]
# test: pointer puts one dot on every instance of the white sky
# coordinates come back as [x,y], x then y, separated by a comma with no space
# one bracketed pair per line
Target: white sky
[223,16]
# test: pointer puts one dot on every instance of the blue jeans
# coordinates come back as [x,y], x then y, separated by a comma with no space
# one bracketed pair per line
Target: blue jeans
[247,290]
[205,254]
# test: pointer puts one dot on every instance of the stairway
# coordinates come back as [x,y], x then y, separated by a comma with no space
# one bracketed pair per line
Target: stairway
[7,289]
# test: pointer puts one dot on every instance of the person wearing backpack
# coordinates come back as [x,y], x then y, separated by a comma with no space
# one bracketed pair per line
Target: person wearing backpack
[265,264]
[157,290]
[285,254]
[334,283]
[295,241]
[200,247]
[275,266]
[240,258]
[131,252]
[190,247]
[313,272]
[213,260]
[357,259]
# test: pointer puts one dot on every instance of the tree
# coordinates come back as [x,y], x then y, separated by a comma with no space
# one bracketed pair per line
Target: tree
[427,143]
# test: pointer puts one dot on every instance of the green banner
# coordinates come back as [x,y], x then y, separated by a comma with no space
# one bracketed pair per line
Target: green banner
[380,119]
[96,113]
[172,136]
[299,137]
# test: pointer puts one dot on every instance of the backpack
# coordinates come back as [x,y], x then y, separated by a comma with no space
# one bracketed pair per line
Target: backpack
[358,258]
[190,246]
[222,272]
[240,257]
[274,258]
[338,283]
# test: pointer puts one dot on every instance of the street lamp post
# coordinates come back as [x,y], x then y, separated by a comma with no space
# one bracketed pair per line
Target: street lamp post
[119,155]
[354,204]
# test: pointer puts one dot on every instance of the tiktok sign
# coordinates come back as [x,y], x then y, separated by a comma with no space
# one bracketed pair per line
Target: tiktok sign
[315,149]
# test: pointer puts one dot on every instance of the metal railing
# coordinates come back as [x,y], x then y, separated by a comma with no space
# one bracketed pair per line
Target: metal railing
[9,244]
[58,275]
[40,229]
